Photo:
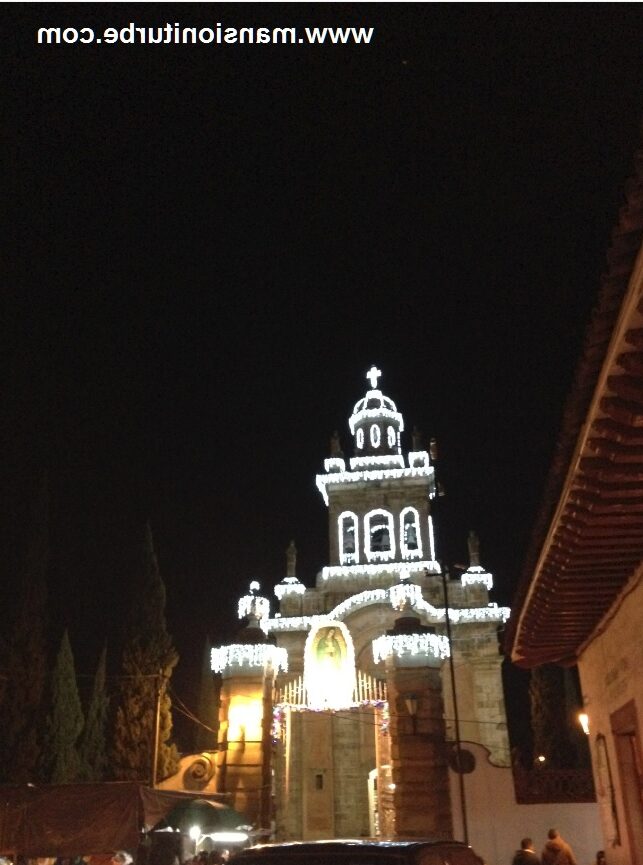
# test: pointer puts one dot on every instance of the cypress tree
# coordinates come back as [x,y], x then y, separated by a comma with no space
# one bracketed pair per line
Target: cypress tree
[24,655]
[65,723]
[149,657]
[208,705]
[92,748]
[549,716]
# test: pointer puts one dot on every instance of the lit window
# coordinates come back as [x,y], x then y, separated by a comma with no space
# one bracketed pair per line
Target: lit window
[391,437]
[376,435]
[360,438]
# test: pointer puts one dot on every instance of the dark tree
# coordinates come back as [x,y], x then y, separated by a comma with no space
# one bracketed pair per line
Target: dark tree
[23,655]
[205,738]
[549,716]
[93,748]
[65,723]
[149,657]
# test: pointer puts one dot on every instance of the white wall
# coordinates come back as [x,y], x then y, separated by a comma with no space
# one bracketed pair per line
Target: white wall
[497,823]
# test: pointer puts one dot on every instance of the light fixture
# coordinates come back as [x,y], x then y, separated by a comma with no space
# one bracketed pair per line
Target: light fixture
[583,720]
[411,703]
[194,833]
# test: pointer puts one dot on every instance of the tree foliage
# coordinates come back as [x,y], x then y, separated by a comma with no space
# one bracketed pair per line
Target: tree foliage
[208,705]
[93,748]
[23,661]
[549,716]
[65,722]
[149,658]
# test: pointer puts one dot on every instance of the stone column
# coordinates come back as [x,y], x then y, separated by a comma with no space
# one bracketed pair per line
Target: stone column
[419,767]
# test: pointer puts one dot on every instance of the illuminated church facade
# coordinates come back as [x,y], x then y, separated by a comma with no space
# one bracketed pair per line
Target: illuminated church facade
[336,708]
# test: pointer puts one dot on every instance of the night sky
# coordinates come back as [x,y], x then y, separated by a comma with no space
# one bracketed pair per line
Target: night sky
[206,248]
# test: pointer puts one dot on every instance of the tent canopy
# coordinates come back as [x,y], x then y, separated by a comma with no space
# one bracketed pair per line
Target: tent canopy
[82,819]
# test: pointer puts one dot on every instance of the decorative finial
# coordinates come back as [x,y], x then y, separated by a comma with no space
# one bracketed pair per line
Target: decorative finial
[416,435]
[335,445]
[372,375]
[473,542]
[291,560]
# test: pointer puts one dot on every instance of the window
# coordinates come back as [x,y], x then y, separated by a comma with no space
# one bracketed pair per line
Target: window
[379,536]
[375,435]
[390,437]
[410,542]
[360,438]
[347,532]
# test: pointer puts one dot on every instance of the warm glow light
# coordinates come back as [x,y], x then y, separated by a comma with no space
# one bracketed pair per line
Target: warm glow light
[195,832]
[244,720]
[583,720]
[541,758]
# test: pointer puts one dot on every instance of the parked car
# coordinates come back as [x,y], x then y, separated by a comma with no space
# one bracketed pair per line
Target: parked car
[360,852]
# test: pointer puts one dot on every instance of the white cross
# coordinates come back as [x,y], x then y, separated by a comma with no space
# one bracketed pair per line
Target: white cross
[372,375]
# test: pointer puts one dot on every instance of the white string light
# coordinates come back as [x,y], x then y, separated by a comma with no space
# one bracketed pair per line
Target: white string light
[410,645]
[249,657]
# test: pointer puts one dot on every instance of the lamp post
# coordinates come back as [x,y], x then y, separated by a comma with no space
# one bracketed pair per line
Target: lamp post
[456,717]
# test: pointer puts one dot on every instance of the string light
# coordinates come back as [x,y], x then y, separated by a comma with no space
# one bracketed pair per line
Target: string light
[390,460]
[249,657]
[345,477]
[357,572]
[289,586]
[476,575]
[410,645]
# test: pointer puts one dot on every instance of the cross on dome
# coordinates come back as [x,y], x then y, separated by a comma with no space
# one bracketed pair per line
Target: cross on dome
[372,375]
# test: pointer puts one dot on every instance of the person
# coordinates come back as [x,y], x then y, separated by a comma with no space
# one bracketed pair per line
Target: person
[600,858]
[526,855]
[557,851]
[121,857]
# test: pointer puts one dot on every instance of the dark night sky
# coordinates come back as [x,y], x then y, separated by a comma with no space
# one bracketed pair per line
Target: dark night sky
[207,247]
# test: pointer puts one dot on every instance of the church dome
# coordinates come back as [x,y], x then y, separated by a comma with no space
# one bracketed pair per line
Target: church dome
[375,422]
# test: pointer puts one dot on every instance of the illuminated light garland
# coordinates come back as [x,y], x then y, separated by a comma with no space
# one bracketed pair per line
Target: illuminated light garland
[405,552]
[366,414]
[403,592]
[336,572]
[476,575]
[410,645]
[369,530]
[390,460]
[391,436]
[370,596]
[329,680]
[491,613]
[334,464]
[249,657]
[375,435]
[289,586]
[253,604]
[431,539]
[359,438]
[344,477]
[348,558]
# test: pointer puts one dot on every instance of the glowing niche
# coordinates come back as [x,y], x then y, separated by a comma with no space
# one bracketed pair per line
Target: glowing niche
[329,666]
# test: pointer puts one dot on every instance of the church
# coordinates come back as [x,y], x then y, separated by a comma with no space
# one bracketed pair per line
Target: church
[337,715]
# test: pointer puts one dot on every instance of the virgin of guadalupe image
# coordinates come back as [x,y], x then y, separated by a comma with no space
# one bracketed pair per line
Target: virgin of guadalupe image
[329,651]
